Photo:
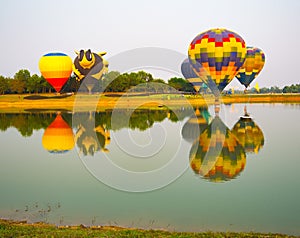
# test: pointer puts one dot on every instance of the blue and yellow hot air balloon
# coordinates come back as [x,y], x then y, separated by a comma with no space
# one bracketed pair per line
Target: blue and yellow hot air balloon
[218,54]
[189,74]
[56,68]
[255,60]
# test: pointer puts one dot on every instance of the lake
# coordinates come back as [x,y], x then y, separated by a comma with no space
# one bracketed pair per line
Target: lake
[183,170]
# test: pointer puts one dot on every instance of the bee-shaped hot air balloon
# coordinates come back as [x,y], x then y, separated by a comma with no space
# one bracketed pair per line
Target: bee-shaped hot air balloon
[89,63]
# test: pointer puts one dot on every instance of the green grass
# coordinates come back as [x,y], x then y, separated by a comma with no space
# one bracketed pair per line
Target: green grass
[15,229]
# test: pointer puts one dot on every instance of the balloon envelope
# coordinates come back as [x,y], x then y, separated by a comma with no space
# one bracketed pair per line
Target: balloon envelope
[220,53]
[189,74]
[254,62]
[56,68]
[58,137]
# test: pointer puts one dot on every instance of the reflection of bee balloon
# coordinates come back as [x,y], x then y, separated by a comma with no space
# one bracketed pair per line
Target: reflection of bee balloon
[58,137]
[91,139]
[196,124]
[249,134]
[217,155]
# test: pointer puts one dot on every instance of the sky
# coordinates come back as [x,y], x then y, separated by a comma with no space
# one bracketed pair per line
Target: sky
[31,28]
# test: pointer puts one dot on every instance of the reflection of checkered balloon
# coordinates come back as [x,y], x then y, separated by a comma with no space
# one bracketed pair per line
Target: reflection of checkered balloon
[217,155]
[254,62]
[221,53]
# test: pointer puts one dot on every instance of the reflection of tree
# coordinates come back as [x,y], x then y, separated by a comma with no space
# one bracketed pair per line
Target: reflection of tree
[197,123]
[90,138]
[249,134]
[25,123]
[140,119]
[217,155]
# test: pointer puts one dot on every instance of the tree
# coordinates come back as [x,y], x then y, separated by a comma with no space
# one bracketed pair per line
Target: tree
[180,84]
[17,86]
[34,84]
[19,83]
[4,84]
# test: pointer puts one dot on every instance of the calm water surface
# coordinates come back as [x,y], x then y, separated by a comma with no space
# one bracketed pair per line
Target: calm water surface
[51,164]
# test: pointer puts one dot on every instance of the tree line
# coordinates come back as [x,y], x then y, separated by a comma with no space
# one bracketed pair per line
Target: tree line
[114,81]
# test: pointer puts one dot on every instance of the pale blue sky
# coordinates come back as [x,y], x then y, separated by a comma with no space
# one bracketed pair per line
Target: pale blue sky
[31,28]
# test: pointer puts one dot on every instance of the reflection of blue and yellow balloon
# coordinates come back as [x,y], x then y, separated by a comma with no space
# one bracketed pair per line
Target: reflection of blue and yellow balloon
[254,62]
[220,53]
[217,154]
[56,68]
[196,124]
[249,134]
[58,137]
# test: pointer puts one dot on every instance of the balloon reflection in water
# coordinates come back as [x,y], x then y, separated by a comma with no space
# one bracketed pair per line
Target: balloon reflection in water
[90,138]
[249,134]
[217,154]
[197,123]
[58,137]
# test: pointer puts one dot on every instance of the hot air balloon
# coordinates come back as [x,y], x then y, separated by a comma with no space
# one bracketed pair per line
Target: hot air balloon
[249,134]
[217,154]
[219,53]
[90,63]
[56,68]
[254,62]
[196,124]
[89,66]
[189,74]
[58,136]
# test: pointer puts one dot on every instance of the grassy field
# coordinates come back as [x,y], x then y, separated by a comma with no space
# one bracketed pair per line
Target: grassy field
[22,229]
[19,103]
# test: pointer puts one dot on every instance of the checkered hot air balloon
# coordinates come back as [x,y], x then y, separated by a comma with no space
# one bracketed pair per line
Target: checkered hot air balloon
[254,62]
[217,154]
[249,134]
[218,54]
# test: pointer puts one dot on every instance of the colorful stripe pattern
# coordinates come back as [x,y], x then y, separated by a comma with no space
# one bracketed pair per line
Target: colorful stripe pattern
[189,74]
[56,68]
[249,134]
[58,137]
[217,155]
[255,60]
[216,55]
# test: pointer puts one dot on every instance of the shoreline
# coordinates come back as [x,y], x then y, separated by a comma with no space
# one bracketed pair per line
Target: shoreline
[84,102]
[10,228]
